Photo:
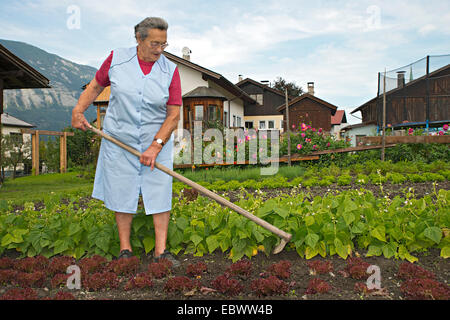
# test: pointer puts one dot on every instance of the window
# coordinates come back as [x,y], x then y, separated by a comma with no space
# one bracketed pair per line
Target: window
[271,124]
[249,124]
[238,121]
[258,98]
[199,112]
[213,112]
[234,121]
[225,119]
[262,125]
[17,137]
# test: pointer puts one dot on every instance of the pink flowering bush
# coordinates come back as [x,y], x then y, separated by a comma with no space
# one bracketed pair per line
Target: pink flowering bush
[307,139]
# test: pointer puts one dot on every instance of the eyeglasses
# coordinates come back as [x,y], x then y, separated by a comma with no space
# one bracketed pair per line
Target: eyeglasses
[156,44]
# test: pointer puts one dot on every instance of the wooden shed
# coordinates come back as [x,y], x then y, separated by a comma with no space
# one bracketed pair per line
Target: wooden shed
[310,110]
[424,101]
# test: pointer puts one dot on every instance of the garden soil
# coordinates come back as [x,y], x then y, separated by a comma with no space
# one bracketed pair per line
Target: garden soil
[342,286]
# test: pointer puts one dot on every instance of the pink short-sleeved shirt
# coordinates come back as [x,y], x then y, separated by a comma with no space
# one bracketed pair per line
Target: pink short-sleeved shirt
[174,89]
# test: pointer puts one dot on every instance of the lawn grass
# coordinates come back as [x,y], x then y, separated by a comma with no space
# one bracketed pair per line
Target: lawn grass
[32,188]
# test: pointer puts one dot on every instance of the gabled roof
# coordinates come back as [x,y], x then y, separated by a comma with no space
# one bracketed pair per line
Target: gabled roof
[213,76]
[204,92]
[104,95]
[261,85]
[10,121]
[339,117]
[410,83]
[17,74]
[309,96]
[359,125]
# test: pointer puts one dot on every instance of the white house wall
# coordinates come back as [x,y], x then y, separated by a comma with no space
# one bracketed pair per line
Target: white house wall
[236,104]
[191,79]
[26,139]
[369,130]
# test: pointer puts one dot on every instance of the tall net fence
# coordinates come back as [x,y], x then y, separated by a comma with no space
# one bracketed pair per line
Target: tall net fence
[399,77]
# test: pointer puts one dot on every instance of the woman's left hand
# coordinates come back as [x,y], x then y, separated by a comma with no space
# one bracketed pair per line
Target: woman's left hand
[148,157]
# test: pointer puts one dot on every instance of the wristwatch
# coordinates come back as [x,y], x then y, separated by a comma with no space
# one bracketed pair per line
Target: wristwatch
[159,140]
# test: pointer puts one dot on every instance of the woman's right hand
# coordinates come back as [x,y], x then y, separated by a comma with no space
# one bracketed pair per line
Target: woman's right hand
[79,121]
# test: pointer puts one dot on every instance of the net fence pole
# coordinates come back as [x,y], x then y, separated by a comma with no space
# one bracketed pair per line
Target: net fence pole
[383,143]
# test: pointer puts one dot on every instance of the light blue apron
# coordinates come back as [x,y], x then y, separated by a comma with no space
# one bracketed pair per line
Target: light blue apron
[136,111]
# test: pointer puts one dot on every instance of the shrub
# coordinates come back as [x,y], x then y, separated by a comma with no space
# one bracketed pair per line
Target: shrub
[270,286]
[361,179]
[281,269]
[180,284]
[60,264]
[7,276]
[20,294]
[377,178]
[425,289]
[296,181]
[6,263]
[32,264]
[196,269]
[357,268]
[64,295]
[160,269]
[407,270]
[325,182]
[123,267]
[311,182]
[317,286]
[227,286]
[100,280]
[35,279]
[414,177]
[59,280]
[140,281]
[395,177]
[361,287]
[93,264]
[319,267]
[240,268]
[430,176]
[344,180]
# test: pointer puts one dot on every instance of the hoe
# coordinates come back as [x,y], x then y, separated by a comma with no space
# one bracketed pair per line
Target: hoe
[285,237]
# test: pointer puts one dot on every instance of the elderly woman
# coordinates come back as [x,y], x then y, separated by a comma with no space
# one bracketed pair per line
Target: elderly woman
[143,112]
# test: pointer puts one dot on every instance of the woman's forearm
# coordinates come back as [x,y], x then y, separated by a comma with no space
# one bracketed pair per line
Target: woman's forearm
[170,124]
[88,96]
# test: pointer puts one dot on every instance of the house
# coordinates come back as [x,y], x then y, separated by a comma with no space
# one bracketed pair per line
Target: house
[353,133]
[206,95]
[17,74]
[310,110]
[11,126]
[338,121]
[420,99]
[262,114]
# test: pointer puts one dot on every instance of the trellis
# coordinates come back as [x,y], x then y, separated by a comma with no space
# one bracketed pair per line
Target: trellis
[35,147]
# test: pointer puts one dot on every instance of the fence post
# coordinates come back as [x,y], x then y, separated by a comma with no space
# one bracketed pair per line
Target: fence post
[428,93]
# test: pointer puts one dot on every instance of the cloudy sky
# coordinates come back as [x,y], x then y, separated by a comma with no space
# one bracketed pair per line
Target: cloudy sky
[339,45]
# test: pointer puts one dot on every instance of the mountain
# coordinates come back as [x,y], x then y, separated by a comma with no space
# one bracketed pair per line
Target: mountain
[48,109]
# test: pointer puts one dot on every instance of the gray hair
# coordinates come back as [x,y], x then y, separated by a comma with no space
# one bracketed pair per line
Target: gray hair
[150,23]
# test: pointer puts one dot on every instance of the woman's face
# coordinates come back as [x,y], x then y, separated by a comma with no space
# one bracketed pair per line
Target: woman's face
[151,48]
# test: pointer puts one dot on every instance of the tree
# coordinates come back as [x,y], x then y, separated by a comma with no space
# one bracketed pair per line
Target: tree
[293,90]
[82,147]
[14,152]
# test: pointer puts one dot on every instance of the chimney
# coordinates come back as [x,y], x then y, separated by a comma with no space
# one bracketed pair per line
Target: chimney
[311,88]
[186,53]
[265,82]
[240,78]
[401,79]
